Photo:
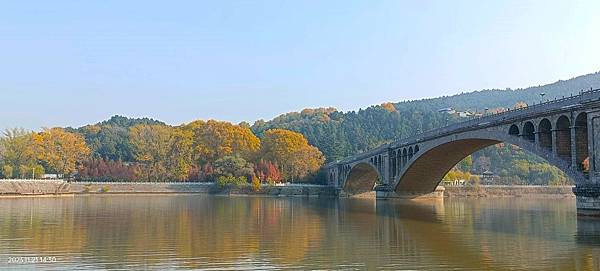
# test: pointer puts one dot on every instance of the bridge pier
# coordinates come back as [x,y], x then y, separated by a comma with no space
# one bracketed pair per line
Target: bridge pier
[587,191]
[587,200]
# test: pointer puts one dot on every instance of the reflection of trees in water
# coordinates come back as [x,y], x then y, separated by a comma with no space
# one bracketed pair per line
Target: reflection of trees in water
[201,232]
[40,226]
[159,229]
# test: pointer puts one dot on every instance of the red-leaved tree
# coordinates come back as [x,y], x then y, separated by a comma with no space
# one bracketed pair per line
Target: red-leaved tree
[267,172]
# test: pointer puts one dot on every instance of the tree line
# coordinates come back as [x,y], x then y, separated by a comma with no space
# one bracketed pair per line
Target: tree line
[123,149]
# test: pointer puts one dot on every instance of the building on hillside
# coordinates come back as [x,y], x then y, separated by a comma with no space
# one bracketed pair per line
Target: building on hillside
[448,110]
[460,182]
[51,176]
[488,177]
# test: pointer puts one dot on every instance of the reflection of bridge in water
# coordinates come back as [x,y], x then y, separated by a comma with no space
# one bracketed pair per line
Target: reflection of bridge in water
[563,132]
[471,234]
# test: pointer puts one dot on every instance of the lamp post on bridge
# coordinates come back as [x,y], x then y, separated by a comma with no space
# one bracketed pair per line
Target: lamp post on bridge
[542,96]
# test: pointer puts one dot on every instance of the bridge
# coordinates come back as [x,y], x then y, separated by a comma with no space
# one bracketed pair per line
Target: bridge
[565,132]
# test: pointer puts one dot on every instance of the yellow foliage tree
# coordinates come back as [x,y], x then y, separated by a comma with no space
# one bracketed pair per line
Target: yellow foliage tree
[165,152]
[456,175]
[61,150]
[215,139]
[520,105]
[180,159]
[17,154]
[389,107]
[292,153]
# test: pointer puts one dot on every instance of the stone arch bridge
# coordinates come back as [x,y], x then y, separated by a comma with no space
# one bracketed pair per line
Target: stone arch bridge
[565,132]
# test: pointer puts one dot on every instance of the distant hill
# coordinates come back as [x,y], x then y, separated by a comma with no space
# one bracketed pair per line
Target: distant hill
[508,97]
[110,139]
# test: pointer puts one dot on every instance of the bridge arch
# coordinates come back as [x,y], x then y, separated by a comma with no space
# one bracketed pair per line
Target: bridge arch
[361,178]
[438,157]
[513,130]
[563,137]
[529,131]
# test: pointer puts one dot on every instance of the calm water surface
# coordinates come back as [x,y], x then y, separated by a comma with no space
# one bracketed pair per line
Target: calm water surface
[204,232]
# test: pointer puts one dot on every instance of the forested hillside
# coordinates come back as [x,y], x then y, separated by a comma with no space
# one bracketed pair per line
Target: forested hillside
[340,134]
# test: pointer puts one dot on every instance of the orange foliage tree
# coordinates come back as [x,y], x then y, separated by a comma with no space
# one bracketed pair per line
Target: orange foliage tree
[292,153]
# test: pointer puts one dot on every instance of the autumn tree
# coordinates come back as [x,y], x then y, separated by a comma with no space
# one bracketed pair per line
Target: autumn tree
[291,151]
[180,160]
[267,172]
[17,154]
[389,107]
[61,151]
[99,169]
[466,164]
[520,105]
[215,139]
[233,166]
[585,165]
[165,152]
[151,144]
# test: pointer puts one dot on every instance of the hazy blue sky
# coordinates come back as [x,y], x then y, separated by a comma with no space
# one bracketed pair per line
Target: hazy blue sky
[77,62]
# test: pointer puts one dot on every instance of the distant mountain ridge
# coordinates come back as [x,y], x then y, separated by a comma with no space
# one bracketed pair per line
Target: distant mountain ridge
[508,97]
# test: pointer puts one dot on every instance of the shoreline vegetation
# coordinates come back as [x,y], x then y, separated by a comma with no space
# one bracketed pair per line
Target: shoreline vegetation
[200,151]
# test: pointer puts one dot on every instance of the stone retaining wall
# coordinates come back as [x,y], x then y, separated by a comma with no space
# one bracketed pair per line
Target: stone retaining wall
[509,191]
[209,188]
[33,187]
[77,187]
[51,187]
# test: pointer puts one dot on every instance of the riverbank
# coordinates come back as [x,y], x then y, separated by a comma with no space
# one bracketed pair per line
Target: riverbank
[204,188]
[16,188]
[33,187]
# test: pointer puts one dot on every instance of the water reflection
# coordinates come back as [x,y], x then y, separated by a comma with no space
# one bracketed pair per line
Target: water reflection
[201,232]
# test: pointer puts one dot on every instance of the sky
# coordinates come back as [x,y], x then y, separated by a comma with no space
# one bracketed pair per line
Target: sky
[71,63]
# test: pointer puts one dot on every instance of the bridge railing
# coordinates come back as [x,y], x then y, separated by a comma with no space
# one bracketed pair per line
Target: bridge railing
[509,115]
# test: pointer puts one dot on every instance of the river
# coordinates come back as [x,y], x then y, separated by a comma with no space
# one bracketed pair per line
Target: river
[162,232]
